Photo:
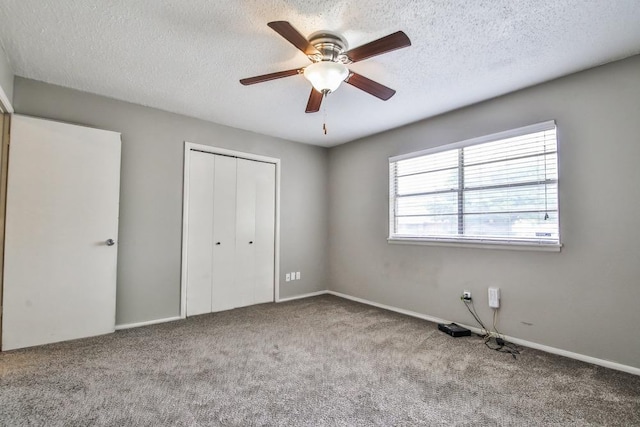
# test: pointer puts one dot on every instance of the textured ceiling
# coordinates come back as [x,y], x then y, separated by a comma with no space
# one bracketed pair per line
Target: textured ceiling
[187,56]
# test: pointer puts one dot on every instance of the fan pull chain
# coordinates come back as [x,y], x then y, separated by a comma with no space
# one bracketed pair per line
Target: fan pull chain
[324,114]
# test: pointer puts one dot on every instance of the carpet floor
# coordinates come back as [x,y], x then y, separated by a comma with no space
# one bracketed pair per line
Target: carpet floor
[321,361]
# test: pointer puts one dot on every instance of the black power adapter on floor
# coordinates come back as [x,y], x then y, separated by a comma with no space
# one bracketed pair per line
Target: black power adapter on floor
[454,330]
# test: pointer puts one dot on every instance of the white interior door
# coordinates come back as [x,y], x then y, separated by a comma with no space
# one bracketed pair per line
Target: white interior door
[264,242]
[245,231]
[200,246]
[230,232]
[62,207]
[255,231]
[224,295]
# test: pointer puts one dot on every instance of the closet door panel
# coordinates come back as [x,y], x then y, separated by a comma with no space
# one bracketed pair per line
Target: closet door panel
[265,181]
[200,229]
[245,231]
[225,294]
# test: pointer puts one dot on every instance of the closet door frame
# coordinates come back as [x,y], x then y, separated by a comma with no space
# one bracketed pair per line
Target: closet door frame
[190,147]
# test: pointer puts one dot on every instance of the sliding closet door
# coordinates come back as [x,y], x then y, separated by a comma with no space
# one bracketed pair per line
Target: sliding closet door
[230,233]
[264,242]
[200,242]
[255,231]
[245,231]
[224,295]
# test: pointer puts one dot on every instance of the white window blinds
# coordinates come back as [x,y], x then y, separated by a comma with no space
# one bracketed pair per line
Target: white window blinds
[501,188]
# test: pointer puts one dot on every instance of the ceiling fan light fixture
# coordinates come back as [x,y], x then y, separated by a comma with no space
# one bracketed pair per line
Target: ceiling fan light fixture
[326,76]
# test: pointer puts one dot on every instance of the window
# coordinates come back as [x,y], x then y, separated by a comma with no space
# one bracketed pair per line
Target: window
[498,189]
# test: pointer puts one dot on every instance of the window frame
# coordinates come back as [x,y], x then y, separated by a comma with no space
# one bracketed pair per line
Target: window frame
[492,243]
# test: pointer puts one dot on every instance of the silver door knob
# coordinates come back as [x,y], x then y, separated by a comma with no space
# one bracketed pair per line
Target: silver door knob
[110,242]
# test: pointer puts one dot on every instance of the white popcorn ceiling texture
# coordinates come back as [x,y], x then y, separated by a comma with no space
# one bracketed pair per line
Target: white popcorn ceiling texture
[187,56]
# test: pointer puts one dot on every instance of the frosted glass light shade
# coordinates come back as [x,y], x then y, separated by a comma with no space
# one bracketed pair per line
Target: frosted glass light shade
[326,75]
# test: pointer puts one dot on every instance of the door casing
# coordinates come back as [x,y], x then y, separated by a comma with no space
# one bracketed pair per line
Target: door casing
[5,121]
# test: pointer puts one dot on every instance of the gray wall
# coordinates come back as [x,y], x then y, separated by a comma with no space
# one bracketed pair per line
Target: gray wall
[6,76]
[151,194]
[584,299]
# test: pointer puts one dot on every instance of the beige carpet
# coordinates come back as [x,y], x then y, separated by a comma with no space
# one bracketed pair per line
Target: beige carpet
[314,362]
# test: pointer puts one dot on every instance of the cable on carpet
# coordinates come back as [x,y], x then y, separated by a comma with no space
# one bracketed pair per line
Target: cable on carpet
[492,339]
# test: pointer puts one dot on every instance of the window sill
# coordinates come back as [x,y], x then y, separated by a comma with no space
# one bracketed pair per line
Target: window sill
[481,244]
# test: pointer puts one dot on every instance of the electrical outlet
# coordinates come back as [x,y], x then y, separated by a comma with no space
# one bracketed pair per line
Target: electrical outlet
[466,295]
[297,275]
[287,277]
[293,275]
[494,297]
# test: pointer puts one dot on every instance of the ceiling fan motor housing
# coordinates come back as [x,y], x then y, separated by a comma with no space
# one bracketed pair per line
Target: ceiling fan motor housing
[331,47]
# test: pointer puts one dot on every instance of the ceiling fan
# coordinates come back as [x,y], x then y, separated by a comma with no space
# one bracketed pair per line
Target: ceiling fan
[330,57]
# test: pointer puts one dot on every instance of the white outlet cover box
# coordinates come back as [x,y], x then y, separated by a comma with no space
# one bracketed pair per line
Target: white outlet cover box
[494,297]
[297,275]
[287,277]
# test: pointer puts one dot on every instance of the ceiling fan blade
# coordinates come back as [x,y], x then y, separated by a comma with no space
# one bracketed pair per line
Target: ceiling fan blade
[374,88]
[377,47]
[315,100]
[292,35]
[270,76]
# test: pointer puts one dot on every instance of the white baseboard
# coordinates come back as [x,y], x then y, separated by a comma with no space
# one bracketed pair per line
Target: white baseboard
[390,308]
[309,295]
[147,323]
[542,347]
